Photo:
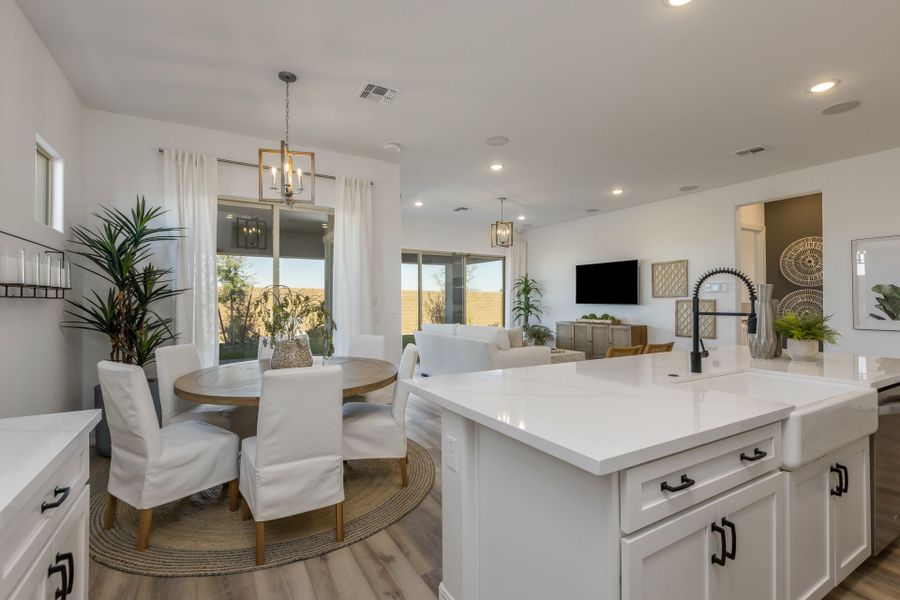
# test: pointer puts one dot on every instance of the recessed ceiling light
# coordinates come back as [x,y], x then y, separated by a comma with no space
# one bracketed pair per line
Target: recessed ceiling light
[618,191]
[393,147]
[418,203]
[496,167]
[676,3]
[497,140]
[229,216]
[822,86]
[521,217]
[842,107]
[324,225]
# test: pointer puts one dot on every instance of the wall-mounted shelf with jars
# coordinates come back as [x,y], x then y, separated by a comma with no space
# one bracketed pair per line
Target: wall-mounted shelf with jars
[33,270]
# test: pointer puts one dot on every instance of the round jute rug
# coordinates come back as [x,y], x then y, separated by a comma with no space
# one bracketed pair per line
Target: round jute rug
[200,536]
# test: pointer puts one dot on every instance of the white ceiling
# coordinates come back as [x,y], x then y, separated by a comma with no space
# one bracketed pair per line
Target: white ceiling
[593,94]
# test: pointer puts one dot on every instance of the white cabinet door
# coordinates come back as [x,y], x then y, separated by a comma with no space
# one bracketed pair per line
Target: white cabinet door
[809,521]
[850,515]
[37,584]
[672,560]
[753,517]
[70,548]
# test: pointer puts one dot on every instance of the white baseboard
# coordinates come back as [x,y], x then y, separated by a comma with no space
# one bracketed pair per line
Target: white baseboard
[443,594]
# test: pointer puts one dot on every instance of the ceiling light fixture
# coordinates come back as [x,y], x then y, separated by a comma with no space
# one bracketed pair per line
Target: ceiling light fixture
[822,86]
[393,147]
[284,170]
[418,203]
[501,231]
[618,191]
[496,167]
[521,217]
[676,3]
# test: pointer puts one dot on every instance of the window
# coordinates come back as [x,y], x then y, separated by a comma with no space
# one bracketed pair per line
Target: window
[260,245]
[43,186]
[451,288]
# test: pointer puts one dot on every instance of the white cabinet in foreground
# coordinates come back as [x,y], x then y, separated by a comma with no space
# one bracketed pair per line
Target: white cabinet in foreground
[730,548]
[829,520]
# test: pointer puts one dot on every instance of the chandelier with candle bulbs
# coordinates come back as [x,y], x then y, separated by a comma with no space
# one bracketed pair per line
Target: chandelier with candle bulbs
[281,170]
[501,231]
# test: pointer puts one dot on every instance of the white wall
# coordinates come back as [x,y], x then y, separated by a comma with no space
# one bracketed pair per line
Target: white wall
[123,161]
[39,365]
[860,198]
[448,236]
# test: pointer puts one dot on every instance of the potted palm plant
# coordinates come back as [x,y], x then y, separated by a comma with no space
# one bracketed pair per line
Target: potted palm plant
[118,251]
[527,306]
[804,333]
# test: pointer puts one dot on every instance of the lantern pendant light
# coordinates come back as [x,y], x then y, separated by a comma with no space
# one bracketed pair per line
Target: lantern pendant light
[501,231]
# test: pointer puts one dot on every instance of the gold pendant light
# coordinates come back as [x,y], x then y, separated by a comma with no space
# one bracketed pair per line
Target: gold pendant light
[501,231]
[283,167]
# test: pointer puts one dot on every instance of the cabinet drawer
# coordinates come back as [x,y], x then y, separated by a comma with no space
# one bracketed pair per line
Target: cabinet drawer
[32,527]
[657,489]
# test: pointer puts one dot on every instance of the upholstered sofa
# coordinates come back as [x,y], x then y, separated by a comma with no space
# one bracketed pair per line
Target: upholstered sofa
[445,349]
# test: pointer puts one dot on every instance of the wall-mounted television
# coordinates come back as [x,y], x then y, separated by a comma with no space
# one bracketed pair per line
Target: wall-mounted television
[607,283]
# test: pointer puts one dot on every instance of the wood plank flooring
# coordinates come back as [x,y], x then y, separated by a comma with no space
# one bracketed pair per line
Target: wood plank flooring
[400,562]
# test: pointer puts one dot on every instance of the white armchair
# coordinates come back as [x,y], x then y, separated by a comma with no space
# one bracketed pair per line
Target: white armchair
[150,465]
[449,354]
[377,430]
[294,464]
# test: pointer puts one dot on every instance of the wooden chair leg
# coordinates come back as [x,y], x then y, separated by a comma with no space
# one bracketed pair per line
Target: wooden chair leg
[404,471]
[260,543]
[245,510]
[339,521]
[233,495]
[144,521]
[109,518]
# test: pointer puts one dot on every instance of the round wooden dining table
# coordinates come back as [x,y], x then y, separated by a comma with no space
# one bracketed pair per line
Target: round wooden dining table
[239,383]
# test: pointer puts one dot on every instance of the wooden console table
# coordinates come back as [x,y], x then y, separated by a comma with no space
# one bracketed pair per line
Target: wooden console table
[594,339]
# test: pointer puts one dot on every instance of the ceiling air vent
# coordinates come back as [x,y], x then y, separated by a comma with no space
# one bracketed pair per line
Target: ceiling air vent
[461,209]
[377,93]
[752,151]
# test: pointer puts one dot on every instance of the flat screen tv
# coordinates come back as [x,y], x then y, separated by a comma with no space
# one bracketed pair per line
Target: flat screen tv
[607,283]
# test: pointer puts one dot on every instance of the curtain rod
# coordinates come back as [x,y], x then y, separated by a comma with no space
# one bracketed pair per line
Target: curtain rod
[228,161]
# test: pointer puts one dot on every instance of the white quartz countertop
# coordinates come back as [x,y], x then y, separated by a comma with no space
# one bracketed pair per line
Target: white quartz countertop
[29,444]
[611,414]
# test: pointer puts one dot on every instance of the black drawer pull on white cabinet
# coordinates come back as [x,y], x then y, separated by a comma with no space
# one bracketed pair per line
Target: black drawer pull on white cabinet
[845,478]
[60,493]
[839,490]
[757,454]
[686,482]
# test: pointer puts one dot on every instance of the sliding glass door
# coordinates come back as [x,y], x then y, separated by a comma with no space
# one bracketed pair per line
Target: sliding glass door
[451,288]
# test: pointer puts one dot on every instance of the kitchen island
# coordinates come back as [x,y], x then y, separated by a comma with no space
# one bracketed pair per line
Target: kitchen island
[561,479]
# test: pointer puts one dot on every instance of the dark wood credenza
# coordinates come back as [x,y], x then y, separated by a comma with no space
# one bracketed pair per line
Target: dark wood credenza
[594,339]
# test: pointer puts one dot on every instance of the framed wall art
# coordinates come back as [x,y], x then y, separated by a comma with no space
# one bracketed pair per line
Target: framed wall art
[684,326]
[670,279]
[876,283]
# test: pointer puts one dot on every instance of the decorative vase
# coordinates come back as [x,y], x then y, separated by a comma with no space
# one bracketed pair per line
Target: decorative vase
[779,339]
[764,343]
[803,349]
[290,354]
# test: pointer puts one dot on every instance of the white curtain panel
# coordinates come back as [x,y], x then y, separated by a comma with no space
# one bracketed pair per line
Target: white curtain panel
[353,296]
[516,266]
[191,188]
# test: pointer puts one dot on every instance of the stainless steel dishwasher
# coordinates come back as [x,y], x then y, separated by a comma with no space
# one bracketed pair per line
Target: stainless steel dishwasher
[885,453]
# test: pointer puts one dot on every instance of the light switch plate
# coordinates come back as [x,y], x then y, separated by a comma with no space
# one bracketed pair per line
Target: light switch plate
[716,287]
[451,455]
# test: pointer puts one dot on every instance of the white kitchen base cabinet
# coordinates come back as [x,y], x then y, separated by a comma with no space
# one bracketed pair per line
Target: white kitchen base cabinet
[829,520]
[730,548]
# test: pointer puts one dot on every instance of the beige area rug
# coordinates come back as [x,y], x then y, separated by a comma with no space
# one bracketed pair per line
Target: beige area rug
[200,536]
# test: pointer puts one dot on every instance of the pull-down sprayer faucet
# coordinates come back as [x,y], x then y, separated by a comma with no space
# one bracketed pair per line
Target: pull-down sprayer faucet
[696,354]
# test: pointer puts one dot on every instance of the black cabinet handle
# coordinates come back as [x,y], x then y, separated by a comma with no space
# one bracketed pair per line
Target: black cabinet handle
[61,493]
[70,559]
[61,592]
[839,490]
[686,482]
[757,454]
[715,559]
[845,479]
[733,554]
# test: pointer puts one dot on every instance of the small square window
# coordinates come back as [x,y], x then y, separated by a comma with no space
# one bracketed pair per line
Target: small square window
[43,186]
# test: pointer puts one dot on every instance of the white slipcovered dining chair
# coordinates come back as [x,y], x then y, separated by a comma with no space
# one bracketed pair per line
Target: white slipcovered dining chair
[294,465]
[150,465]
[174,361]
[377,430]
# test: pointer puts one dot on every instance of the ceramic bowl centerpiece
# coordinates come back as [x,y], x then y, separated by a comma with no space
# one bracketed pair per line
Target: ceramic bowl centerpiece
[804,333]
[286,316]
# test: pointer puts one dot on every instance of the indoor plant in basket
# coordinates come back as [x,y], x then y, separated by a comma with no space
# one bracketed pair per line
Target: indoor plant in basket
[286,317]
[804,332]
[118,252]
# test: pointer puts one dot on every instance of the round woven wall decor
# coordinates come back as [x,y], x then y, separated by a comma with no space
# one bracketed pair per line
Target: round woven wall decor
[801,261]
[801,302]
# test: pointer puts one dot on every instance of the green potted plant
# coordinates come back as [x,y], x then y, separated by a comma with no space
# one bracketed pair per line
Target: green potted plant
[527,304]
[538,335]
[118,251]
[804,332]
[286,317]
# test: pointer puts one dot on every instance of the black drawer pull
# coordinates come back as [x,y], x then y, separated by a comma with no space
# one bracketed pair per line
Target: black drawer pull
[686,482]
[715,559]
[839,490]
[62,591]
[70,559]
[845,480]
[733,554]
[56,492]
[757,454]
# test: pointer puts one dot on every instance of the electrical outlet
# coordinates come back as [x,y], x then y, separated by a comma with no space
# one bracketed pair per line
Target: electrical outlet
[451,455]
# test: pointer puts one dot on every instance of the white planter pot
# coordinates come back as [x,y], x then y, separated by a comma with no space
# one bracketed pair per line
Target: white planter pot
[803,349]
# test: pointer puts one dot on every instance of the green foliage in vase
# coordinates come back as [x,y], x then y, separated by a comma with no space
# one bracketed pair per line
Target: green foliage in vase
[285,313]
[808,326]
[538,335]
[528,300]
[888,302]
[118,251]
